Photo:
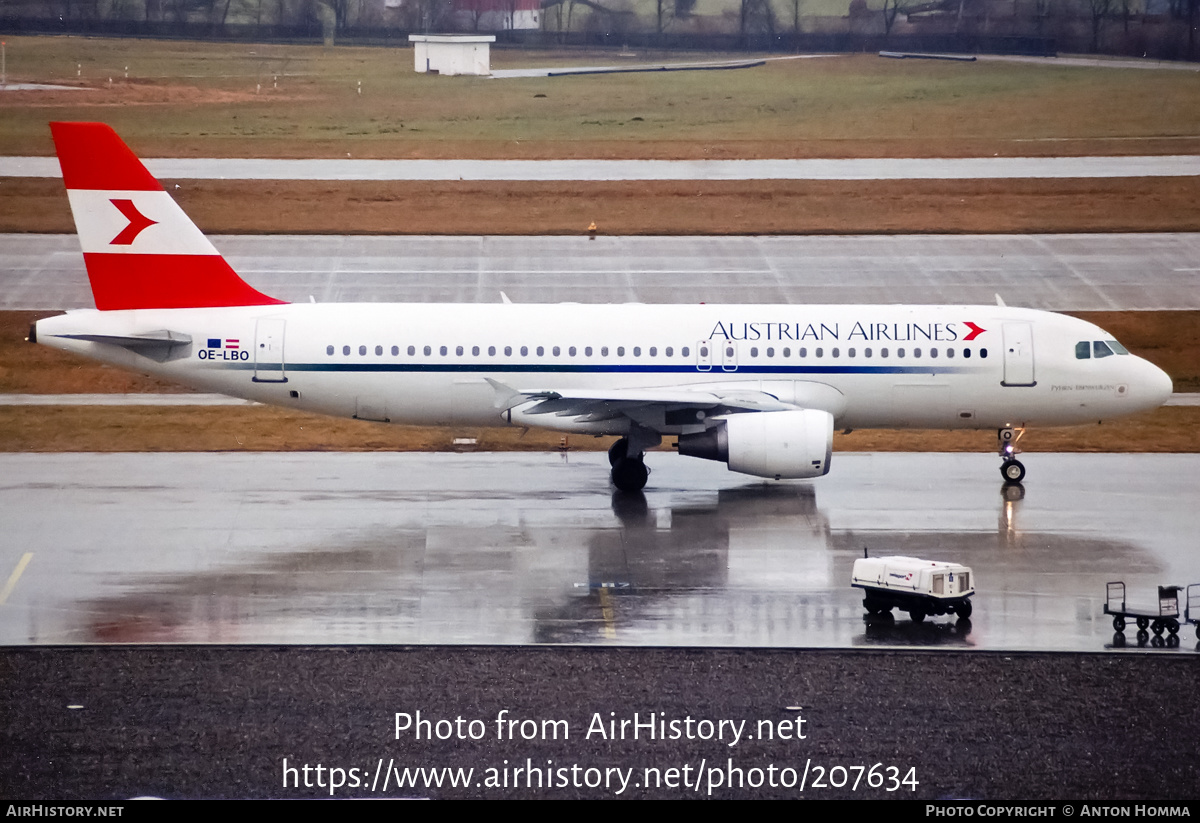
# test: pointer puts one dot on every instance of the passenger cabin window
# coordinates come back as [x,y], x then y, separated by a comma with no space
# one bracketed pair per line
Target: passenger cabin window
[329,350]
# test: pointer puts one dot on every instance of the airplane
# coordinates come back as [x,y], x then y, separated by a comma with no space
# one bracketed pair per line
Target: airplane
[759,387]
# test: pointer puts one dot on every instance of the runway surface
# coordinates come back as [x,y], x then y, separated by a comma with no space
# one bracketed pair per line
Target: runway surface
[1054,272]
[886,168]
[537,549]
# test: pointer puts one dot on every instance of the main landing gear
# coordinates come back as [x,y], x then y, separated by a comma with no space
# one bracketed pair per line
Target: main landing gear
[1011,469]
[628,459]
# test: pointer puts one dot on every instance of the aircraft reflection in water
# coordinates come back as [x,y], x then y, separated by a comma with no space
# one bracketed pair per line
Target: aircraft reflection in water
[758,565]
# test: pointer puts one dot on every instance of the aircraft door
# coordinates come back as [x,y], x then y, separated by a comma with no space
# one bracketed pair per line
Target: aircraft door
[729,361]
[704,355]
[1018,355]
[268,351]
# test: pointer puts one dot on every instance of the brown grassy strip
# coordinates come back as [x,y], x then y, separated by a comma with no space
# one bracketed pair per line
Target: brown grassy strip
[270,429]
[654,207]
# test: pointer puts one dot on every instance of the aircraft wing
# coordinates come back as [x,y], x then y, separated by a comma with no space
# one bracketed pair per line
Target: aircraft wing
[663,409]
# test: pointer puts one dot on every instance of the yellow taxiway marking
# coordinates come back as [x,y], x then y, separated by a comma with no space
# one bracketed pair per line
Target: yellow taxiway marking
[15,576]
[610,630]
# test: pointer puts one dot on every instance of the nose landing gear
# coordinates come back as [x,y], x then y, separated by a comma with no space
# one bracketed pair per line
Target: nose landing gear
[1011,469]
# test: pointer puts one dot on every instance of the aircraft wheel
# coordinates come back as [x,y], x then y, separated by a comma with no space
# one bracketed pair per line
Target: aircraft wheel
[1119,623]
[964,609]
[617,451]
[916,614]
[1013,471]
[630,474]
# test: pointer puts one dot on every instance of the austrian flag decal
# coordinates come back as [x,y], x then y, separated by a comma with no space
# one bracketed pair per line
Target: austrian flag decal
[224,348]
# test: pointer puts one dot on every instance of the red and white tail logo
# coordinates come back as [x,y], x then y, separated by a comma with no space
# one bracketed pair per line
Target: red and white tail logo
[141,250]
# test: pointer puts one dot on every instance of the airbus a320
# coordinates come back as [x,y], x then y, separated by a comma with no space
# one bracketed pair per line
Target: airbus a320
[759,387]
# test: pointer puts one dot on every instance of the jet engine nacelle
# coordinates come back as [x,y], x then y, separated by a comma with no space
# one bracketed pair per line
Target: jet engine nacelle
[774,444]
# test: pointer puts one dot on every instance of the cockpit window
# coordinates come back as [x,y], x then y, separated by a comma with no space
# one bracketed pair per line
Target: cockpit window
[1101,349]
[1117,347]
[1083,350]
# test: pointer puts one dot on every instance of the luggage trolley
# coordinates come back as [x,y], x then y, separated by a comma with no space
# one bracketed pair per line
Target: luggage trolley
[1166,619]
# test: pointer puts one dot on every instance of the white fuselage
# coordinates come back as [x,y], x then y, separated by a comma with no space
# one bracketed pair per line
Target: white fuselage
[438,364]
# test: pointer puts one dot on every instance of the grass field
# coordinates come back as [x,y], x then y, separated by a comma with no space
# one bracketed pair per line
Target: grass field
[199,99]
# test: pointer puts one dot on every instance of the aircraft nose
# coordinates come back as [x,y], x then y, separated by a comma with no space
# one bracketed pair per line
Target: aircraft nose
[1156,385]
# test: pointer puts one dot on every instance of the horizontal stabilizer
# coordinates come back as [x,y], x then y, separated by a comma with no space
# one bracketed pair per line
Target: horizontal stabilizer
[157,345]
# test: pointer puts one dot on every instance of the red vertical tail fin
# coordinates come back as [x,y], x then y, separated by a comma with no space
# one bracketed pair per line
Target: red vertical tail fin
[140,249]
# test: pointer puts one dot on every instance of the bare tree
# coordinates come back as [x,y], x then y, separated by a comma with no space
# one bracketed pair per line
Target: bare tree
[1101,10]
[756,17]
[891,8]
[660,15]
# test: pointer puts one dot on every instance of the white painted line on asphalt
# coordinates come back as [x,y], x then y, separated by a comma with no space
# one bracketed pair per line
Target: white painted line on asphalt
[14,577]
[886,168]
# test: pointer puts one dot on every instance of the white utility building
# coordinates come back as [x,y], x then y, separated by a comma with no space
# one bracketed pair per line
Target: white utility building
[452,53]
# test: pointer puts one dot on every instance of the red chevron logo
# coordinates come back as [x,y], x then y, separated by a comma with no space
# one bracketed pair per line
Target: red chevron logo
[975,331]
[138,223]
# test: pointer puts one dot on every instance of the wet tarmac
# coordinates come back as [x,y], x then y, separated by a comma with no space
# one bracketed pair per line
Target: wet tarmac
[537,549]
